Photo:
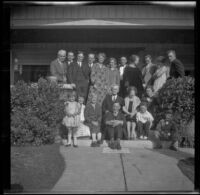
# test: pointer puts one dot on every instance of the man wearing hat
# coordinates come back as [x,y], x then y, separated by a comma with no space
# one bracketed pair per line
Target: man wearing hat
[166,130]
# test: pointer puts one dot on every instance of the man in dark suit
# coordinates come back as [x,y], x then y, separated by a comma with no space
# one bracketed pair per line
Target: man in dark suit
[110,99]
[107,106]
[115,123]
[58,67]
[70,58]
[176,67]
[79,75]
[91,60]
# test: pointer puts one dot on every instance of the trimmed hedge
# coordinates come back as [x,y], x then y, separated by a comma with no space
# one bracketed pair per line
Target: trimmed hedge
[36,112]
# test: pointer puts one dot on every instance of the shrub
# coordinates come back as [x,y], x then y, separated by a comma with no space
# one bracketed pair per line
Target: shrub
[178,95]
[36,113]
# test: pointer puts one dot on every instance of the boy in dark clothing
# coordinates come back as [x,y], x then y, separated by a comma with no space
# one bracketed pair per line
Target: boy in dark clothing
[115,122]
[166,130]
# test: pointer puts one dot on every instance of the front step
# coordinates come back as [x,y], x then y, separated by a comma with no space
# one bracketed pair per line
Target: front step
[124,143]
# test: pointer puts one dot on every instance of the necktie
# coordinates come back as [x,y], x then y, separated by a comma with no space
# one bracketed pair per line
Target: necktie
[114,98]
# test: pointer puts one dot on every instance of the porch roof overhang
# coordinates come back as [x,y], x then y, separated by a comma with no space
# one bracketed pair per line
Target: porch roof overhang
[141,23]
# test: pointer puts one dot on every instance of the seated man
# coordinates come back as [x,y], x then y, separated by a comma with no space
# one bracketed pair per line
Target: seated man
[107,105]
[115,122]
[166,130]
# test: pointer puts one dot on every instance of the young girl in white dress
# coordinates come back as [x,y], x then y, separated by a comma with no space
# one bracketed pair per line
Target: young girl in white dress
[72,118]
[83,130]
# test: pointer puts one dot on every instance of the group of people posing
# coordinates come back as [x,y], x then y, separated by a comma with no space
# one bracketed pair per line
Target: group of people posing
[110,101]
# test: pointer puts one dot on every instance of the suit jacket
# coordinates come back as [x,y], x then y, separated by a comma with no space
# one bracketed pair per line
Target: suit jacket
[177,69]
[57,70]
[74,69]
[107,104]
[110,116]
[92,114]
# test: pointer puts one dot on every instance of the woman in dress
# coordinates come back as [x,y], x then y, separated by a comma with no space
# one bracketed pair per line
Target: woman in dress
[130,109]
[133,75]
[99,80]
[114,75]
[160,76]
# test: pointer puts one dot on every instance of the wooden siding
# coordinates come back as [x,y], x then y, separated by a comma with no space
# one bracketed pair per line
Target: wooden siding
[44,53]
[38,16]
[99,12]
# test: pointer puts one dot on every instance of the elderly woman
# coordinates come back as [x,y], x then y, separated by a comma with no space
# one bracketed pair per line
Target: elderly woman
[160,76]
[114,75]
[133,75]
[99,79]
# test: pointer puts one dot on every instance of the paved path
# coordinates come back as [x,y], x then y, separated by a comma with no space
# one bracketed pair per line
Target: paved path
[88,170]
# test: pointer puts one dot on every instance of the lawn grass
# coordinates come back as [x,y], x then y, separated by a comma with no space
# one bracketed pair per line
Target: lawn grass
[187,167]
[36,168]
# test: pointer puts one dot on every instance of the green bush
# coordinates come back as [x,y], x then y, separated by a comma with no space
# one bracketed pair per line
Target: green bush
[36,113]
[178,95]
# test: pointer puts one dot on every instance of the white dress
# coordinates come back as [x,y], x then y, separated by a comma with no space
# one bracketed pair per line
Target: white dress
[72,108]
[161,75]
[83,130]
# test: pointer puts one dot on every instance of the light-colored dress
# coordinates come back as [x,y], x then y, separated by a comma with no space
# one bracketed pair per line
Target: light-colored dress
[72,108]
[83,130]
[147,72]
[100,82]
[161,78]
[136,103]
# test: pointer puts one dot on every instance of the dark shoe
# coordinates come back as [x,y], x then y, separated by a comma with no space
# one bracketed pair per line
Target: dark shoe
[68,145]
[112,145]
[173,148]
[118,146]
[93,144]
[99,142]
[75,146]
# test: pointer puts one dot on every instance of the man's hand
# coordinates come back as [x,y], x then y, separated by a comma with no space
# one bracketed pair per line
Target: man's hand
[111,122]
[95,123]
[73,85]
[117,122]
[132,115]
[95,87]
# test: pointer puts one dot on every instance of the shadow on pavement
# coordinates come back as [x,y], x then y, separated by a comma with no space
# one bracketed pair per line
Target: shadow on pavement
[173,154]
[185,161]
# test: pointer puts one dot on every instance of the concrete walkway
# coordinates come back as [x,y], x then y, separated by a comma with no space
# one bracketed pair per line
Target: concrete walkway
[88,170]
